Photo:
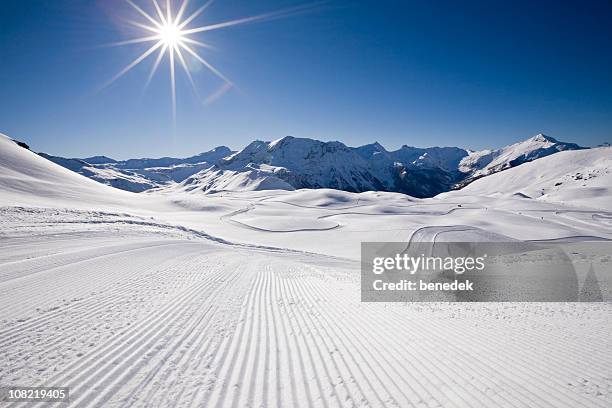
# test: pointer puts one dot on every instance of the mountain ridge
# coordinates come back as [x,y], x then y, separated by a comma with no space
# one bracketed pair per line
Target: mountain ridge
[294,162]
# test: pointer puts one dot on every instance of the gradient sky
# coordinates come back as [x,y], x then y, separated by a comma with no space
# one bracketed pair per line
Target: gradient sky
[462,73]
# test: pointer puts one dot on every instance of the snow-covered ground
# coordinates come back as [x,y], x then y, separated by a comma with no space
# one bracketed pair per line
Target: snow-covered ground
[176,298]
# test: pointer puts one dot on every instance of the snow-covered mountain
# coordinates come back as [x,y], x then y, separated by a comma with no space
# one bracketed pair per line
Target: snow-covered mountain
[293,163]
[111,176]
[307,163]
[215,180]
[296,163]
[99,160]
[582,177]
[211,156]
[137,175]
[419,172]
[485,162]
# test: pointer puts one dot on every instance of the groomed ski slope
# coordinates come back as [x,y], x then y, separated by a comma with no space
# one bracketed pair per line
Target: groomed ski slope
[152,321]
[155,300]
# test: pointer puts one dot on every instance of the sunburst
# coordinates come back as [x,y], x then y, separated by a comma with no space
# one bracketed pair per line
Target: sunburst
[173,38]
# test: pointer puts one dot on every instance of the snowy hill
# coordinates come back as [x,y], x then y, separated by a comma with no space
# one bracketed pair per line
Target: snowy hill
[296,163]
[485,162]
[582,177]
[27,178]
[215,180]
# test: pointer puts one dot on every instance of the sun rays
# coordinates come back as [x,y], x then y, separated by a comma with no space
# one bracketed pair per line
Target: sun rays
[172,37]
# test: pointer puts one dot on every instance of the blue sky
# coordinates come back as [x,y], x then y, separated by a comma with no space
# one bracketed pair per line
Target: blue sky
[471,73]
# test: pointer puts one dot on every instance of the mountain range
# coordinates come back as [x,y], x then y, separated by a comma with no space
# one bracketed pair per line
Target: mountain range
[293,163]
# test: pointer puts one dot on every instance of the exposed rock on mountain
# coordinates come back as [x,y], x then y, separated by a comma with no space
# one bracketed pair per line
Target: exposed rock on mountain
[294,163]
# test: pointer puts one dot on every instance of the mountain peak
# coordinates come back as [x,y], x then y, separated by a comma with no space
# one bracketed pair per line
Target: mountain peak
[369,150]
[220,149]
[376,146]
[281,141]
[212,155]
[99,160]
[310,163]
[541,137]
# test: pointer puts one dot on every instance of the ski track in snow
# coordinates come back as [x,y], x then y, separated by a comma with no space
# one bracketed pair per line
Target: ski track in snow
[171,322]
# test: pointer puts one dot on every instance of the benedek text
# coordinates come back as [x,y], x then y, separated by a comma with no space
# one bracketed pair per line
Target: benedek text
[421,285]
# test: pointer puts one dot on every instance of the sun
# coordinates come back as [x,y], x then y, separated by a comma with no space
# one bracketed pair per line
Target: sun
[172,37]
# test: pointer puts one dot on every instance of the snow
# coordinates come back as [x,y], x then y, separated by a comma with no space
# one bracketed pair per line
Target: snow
[28,178]
[481,163]
[121,179]
[579,177]
[214,180]
[138,175]
[211,156]
[294,163]
[249,296]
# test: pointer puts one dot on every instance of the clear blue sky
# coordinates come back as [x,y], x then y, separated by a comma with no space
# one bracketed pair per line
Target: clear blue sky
[463,73]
